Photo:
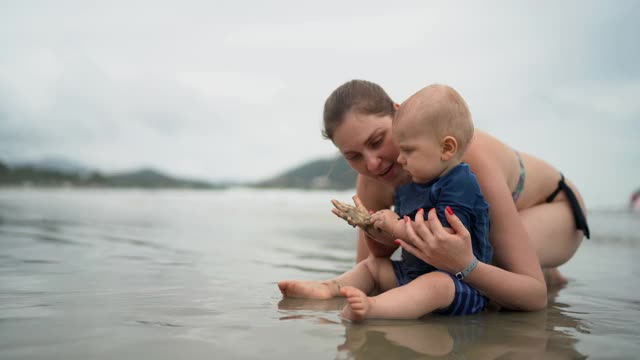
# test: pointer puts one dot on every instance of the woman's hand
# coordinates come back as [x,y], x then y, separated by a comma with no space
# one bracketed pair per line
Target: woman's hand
[433,244]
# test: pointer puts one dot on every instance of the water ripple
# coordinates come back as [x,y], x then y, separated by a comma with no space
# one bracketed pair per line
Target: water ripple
[310,269]
[157,323]
[141,243]
[42,237]
[308,255]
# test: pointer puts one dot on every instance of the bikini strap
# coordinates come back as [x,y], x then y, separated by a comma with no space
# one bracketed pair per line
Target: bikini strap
[578,214]
[561,185]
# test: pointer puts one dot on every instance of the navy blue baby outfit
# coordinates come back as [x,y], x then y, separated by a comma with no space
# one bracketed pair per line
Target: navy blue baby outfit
[460,190]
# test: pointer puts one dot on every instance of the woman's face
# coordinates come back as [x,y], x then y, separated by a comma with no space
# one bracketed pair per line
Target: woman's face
[365,142]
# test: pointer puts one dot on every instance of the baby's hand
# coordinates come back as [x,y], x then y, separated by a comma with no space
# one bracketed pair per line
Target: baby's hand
[385,220]
[357,215]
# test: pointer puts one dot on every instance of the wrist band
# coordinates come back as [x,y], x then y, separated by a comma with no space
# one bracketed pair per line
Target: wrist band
[464,273]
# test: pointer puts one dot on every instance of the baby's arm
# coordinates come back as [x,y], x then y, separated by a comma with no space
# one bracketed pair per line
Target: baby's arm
[389,225]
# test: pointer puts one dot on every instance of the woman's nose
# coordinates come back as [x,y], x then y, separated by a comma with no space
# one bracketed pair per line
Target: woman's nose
[373,162]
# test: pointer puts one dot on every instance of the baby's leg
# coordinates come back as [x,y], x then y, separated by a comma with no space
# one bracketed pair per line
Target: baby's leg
[423,295]
[373,273]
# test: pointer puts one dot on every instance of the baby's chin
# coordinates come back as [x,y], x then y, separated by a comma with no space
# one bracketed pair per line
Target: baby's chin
[403,177]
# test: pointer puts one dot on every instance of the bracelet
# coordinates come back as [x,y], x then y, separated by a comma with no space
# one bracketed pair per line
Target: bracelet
[464,273]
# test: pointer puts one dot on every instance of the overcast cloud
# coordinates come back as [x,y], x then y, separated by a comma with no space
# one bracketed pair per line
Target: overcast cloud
[234,90]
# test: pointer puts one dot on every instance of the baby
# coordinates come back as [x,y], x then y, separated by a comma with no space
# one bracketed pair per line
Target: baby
[432,130]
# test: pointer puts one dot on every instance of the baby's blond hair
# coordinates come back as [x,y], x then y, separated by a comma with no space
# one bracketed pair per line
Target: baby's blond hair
[443,110]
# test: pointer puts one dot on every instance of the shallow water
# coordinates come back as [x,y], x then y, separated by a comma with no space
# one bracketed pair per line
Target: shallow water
[135,274]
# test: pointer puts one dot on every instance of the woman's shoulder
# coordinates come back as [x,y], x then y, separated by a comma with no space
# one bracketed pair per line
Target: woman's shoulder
[374,194]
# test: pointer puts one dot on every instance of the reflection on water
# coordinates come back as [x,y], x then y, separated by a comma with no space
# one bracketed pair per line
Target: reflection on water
[133,274]
[490,335]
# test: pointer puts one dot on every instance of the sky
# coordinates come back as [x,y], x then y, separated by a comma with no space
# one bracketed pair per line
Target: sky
[234,90]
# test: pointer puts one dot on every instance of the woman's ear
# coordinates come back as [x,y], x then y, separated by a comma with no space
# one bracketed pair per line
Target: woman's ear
[449,148]
[396,106]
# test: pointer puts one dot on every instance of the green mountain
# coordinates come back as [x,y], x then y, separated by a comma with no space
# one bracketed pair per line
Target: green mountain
[146,178]
[149,178]
[53,163]
[333,173]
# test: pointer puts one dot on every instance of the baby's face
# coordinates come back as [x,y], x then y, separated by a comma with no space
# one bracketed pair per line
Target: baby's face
[419,151]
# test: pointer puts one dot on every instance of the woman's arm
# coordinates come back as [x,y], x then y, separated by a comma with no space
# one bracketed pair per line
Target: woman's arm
[452,253]
[374,196]
[516,281]
[368,245]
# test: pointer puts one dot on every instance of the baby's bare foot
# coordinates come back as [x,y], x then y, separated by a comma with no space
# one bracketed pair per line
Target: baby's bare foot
[358,304]
[305,289]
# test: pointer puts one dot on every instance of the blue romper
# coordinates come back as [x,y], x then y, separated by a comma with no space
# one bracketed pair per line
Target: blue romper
[460,190]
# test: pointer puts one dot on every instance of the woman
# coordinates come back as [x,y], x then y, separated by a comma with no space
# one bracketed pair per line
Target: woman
[536,215]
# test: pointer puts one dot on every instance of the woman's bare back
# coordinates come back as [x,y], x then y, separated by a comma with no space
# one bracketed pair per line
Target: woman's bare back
[541,179]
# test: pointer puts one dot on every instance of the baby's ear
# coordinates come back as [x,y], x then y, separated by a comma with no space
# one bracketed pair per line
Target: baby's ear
[449,147]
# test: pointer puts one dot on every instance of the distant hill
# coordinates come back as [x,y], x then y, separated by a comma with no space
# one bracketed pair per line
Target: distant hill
[153,179]
[333,173]
[54,163]
[45,176]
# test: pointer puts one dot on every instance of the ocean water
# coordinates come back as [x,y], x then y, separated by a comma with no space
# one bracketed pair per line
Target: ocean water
[130,274]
